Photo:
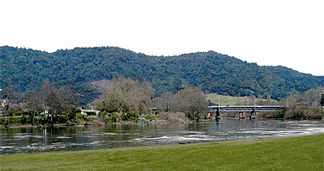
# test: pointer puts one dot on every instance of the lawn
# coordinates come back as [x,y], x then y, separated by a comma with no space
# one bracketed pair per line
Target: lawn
[231,100]
[298,153]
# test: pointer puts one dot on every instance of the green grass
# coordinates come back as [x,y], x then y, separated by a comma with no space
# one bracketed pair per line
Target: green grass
[223,100]
[297,153]
[231,100]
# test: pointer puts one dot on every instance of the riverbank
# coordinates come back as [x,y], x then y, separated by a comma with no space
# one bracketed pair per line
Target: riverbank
[301,153]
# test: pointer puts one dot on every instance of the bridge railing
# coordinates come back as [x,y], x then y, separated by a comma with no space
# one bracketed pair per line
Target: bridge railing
[245,108]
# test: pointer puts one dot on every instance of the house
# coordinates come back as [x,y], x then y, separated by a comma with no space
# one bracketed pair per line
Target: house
[89,111]
[4,102]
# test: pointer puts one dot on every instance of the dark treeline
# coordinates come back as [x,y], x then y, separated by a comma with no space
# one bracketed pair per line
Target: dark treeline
[27,69]
[123,99]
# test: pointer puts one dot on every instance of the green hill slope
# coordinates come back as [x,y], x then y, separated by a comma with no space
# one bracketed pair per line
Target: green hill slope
[26,69]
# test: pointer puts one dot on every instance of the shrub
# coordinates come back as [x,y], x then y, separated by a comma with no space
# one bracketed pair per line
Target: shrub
[297,113]
[14,120]
[24,119]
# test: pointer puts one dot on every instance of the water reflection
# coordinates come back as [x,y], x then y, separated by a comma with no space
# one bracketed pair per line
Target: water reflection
[21,140]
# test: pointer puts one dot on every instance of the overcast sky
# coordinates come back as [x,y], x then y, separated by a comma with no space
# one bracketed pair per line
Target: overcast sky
[269,32]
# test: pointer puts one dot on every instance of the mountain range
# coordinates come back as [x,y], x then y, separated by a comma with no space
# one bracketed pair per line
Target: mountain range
[213,72]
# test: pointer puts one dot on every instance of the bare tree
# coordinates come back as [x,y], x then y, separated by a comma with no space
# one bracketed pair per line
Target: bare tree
[34,102]
[68,96]
[127,96]
[11,95]
[191,101]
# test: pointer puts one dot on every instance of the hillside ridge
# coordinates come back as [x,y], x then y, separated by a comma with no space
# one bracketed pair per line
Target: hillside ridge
[26,69]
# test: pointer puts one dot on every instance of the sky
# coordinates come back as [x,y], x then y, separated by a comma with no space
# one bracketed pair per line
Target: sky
[277,32]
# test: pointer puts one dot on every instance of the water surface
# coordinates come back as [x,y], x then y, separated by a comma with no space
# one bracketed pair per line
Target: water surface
[25,140]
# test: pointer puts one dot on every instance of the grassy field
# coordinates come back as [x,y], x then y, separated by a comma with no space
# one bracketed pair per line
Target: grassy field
[231,100]
[298,153]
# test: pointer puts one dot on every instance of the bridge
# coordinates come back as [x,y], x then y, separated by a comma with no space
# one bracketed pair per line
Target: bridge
[242,109]
[245,108]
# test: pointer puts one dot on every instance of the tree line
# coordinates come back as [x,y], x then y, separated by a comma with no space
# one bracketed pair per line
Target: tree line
[132,98]
[308,105]
[124,98]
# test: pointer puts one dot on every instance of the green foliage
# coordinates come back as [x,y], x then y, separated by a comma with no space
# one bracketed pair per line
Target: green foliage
[27,69]
[129,116]
[11,112]
[71,114]
[102,114]
[280,113]
[24,119]
[113,118]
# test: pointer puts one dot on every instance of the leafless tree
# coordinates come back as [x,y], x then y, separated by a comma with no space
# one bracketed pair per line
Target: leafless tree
[127,96]
[190,100]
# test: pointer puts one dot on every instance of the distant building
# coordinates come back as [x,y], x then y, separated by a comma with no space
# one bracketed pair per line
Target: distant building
[89,111]
[4,102]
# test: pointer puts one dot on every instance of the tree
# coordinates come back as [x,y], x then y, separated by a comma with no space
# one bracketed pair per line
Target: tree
[191,101]
[50,98]
[166,101]
[34,102]
[126,96]
[310,98]
[68,96]
[11,95]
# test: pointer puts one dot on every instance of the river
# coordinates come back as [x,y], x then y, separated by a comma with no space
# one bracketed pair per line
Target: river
[26,140]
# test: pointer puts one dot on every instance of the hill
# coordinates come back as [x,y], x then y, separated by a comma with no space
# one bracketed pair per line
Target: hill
[26,69]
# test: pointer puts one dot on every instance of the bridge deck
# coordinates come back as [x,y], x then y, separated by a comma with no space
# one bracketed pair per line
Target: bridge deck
[245,108]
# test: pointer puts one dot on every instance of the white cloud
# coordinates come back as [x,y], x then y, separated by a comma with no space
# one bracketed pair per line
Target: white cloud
[288,33]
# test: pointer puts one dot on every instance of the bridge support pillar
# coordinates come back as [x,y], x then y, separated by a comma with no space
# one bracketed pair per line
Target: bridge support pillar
[217,115]
[252,114]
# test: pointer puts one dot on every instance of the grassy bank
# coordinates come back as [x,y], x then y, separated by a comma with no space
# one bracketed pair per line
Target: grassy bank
[300,153]
[231,100]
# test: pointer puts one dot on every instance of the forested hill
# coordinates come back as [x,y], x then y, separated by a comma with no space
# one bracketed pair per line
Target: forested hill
[26,69]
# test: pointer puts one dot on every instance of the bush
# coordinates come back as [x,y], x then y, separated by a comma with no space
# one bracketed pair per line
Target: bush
[14,120]
[174,117]
[102,115]
[113,118]
[314,113]
[129,116]
[296,114]
[11,112]
[2,120]
[275,114]
[24,119]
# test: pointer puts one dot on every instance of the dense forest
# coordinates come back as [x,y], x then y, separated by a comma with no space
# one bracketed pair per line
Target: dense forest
[27,69]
